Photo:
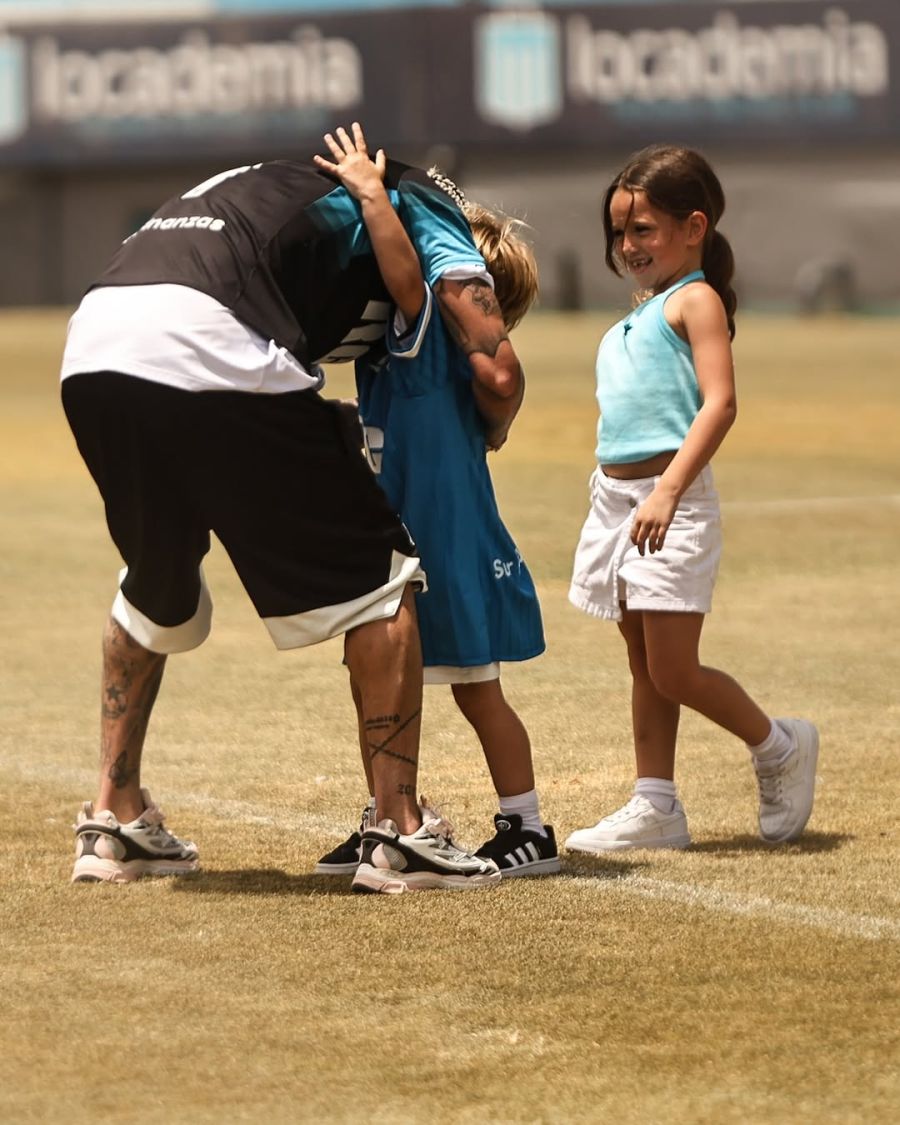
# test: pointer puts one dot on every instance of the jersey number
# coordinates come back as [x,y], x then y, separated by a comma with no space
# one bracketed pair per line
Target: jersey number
[220,177]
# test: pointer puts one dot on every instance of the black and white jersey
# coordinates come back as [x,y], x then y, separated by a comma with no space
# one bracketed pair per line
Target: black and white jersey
[284,247]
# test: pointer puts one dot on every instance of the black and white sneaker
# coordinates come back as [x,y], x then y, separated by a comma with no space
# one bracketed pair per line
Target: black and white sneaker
[344,859]
[392,863]
[109,852]
[516,851]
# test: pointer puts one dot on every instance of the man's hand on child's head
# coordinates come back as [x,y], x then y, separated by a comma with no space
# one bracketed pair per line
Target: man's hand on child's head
[361,176]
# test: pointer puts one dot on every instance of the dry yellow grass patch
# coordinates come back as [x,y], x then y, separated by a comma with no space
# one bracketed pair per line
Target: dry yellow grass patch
[731,983]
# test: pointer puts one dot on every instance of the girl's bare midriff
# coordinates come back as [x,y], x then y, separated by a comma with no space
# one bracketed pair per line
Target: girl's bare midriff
[634,470]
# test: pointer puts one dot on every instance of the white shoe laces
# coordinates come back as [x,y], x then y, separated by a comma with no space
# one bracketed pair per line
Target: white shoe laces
[771,782]
[627,811]
[441,832]
[151,819]
[770,787]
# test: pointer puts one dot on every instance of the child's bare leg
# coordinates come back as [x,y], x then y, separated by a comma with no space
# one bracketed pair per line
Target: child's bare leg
[503,737]
[522,844]
[653,817]
[673,660]
[654,717]
[784,752]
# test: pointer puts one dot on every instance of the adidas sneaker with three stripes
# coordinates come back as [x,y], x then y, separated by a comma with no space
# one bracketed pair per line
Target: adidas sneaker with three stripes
[516,851]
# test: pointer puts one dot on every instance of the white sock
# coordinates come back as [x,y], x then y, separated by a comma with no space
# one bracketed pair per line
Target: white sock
[372,811]
[659,791]
[527,807]
[775,749]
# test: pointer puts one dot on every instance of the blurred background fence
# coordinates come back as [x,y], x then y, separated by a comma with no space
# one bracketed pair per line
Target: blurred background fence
[107,108]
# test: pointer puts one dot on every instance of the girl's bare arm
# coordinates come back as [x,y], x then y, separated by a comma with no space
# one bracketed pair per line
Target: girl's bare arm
[702,317]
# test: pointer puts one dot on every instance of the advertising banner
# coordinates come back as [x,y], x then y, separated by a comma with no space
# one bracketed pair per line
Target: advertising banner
[569,75]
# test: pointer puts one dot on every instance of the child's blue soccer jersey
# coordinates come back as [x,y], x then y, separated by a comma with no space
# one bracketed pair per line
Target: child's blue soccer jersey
[481,605]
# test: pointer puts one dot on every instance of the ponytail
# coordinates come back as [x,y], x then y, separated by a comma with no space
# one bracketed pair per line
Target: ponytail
[678,181]
[718,266]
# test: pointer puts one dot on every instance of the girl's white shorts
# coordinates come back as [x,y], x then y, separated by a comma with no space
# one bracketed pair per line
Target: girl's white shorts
[609,570]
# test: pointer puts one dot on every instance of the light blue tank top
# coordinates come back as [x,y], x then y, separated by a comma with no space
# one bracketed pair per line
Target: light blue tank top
[646,384]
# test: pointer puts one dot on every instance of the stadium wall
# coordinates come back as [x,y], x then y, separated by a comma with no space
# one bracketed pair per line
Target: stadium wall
[530,108]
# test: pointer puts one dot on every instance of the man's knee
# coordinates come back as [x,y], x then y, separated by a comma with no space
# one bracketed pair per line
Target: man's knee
[386,640]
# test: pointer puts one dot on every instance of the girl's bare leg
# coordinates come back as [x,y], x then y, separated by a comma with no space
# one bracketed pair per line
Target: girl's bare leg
[654,717]
[672,643]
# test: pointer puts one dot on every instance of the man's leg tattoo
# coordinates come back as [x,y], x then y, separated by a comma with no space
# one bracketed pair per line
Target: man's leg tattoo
[385,722]
[129,693]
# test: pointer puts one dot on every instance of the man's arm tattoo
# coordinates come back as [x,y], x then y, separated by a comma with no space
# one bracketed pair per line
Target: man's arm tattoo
[484,338]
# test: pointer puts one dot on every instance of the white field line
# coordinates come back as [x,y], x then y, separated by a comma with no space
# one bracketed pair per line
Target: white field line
[244,812]
[841,923]
[810,504]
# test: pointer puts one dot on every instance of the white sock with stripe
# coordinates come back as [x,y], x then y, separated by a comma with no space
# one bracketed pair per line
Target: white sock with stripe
[527,806]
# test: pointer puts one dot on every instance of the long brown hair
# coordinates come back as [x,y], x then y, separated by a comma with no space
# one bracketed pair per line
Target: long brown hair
[678,181]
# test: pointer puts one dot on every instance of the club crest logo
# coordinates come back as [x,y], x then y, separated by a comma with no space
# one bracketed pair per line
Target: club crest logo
[518,79]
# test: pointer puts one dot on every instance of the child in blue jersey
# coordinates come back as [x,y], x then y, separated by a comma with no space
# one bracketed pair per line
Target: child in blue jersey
[428,422]
[650,546]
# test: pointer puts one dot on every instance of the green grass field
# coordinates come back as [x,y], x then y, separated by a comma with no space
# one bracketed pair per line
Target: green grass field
[731,983]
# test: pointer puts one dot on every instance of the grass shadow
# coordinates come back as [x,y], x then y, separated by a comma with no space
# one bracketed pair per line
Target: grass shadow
[609,865]
[261,881]
[614,865]
[274,881]
[808,842]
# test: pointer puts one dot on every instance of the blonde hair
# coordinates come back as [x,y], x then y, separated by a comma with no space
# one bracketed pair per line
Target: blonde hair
[509,259]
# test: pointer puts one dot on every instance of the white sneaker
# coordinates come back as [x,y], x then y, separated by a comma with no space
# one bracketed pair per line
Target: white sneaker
[639,824]
[108,851]
[786,792]
[392,863]
[344,859]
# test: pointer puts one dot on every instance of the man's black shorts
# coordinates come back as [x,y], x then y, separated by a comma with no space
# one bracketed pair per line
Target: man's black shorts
[279,479]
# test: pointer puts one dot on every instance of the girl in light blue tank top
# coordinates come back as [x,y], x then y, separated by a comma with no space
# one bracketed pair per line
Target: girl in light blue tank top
[649,550]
